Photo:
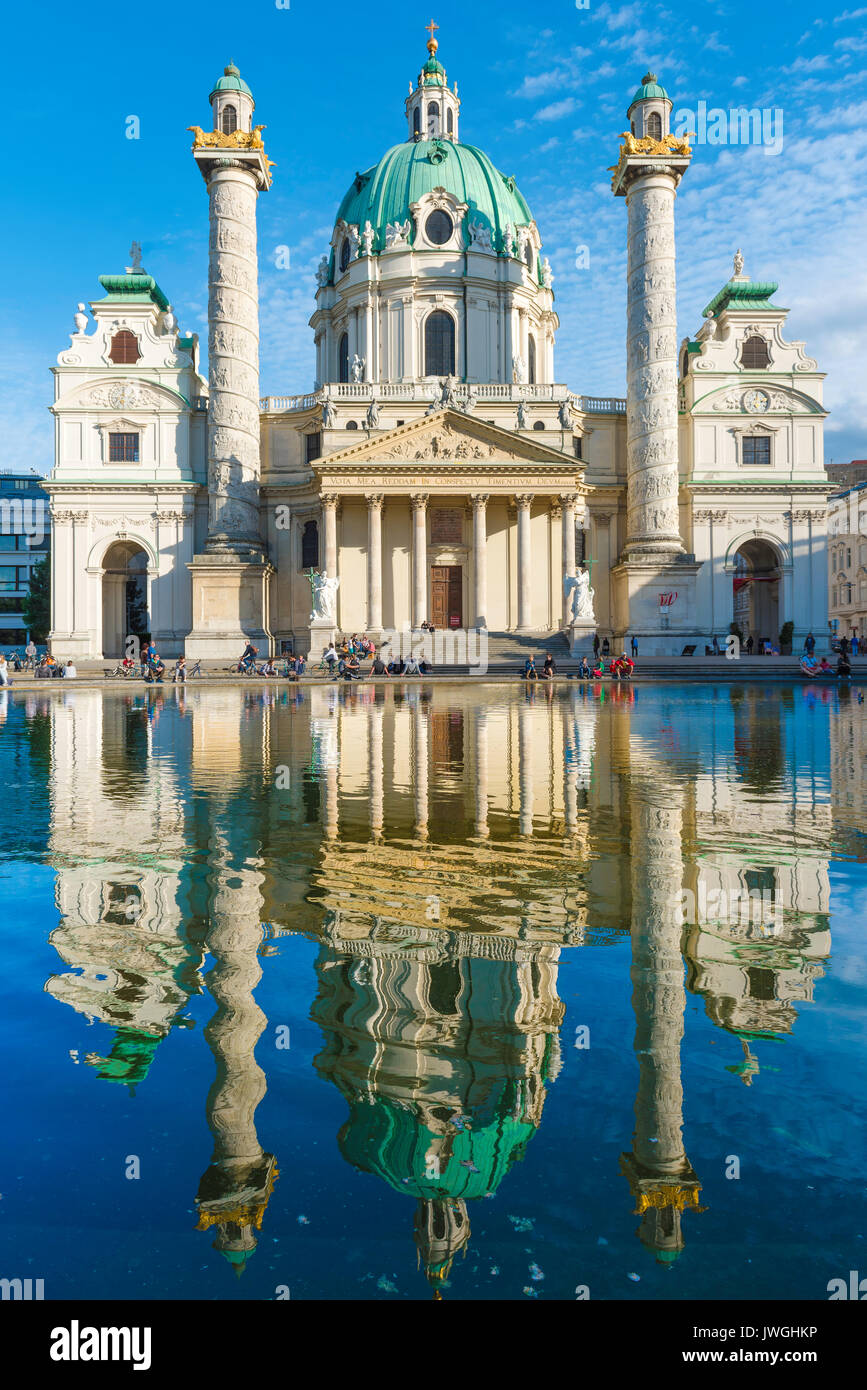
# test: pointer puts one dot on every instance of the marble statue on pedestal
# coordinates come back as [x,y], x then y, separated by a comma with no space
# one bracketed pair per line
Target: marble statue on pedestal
[324,598]
[578,585]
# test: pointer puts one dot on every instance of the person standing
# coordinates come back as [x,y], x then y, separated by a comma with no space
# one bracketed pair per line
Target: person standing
[30,651]
[596,644]
[634,645]
[809,643]
[606,647]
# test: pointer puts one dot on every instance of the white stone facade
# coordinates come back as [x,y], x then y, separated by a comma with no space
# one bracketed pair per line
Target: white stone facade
[463,498]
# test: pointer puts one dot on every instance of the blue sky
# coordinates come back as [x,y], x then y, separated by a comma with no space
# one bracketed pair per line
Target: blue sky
[544,91]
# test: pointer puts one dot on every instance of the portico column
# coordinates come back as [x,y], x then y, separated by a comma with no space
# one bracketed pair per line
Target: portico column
[419,558]
[523,502]
[374,562]
[480,558]
[329,515]
[568,504]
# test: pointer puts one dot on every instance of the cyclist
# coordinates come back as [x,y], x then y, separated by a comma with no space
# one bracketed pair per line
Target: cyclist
[248,658]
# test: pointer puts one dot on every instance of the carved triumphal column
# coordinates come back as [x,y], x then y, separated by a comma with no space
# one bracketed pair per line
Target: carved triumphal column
[651,165]
[231,577]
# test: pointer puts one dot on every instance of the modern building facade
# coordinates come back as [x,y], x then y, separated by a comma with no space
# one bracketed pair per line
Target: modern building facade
[847,562]
[25,541]
[438,470]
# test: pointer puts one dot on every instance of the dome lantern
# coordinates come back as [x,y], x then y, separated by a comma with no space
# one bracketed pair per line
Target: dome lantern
[232,102]
[432,110]
[649,111]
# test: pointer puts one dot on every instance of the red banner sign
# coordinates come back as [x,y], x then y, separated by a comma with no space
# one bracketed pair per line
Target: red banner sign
[666,600]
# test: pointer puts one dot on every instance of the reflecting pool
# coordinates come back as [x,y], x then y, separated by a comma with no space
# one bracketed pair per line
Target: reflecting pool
[369,992]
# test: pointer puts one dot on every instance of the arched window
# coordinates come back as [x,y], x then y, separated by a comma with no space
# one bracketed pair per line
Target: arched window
[439,344]
[310,546]
[754,353]
[343,358]
[450,122]
[433,119]
[416,122]
[538,424]
[684,363]
[531,360]
[654,125]
[352,424]
[528,254]
[229,120]
[124,348]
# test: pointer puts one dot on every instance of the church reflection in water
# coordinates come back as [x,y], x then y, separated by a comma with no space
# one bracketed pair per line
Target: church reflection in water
[445,847]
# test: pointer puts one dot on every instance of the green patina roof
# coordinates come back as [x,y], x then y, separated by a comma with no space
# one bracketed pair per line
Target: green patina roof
[231,81]
[743,294]
[406,172]
[433,73]
[387,1139]
[649,88]
[132,289]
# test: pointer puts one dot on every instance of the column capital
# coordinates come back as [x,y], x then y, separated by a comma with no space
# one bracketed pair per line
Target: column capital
[330,501]
[569,499]
[523,499]
[374,501]
[556,509]
[419,500]
[480,500]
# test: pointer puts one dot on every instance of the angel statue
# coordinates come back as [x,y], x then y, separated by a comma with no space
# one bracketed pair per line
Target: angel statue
[578,586]
[324,597]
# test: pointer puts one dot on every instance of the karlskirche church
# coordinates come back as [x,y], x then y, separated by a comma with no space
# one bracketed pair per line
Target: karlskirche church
[438,471]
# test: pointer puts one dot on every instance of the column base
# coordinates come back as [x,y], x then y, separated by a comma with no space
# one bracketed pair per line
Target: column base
[638,583]
[230,606]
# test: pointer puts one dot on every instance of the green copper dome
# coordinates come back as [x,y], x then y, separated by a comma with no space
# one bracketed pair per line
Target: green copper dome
[231,81]
[650,88]
[406,172]
[433,73]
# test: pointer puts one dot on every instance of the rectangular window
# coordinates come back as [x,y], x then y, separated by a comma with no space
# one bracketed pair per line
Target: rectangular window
[123,448]
[576,445]
[313,446]
[10,605]
[757,450]
[7,542]
[833,562]
[8,579]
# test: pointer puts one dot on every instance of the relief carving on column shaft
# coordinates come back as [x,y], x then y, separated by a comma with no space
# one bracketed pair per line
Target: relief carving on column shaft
[233,236]
[654,378]
[240,308]
[649,484]
[238,202]
[235,273]
[661,520]
[233,342]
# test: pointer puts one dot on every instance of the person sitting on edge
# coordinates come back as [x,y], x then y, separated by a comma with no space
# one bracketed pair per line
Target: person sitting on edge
[530,672]
[268,668]
[584,672]
[70,671]
[330,657]
[352,669]
[300,665]
[180,671]
[395,666]
[411,667]
[824,664]
[4,671]
[549,670]
[379,667]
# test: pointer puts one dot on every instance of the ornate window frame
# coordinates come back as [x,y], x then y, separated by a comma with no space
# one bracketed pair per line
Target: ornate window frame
[755,330]
[120,425]
[439,199]
[756,430]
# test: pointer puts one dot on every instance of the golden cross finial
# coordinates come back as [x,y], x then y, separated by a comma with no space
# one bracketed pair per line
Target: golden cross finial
[432,43]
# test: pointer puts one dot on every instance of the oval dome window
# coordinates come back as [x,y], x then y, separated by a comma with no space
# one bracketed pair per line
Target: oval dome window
[438,228]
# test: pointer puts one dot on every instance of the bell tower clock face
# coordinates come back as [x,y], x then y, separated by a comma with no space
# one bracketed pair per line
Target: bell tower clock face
[757,402]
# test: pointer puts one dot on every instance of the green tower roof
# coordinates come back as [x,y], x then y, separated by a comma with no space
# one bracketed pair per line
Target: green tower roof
[406,172]
[649,89]
[231,81]
[433,73]
[132,289]
[743,294]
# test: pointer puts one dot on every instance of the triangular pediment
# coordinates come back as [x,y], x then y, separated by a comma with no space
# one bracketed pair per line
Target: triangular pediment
[448,437]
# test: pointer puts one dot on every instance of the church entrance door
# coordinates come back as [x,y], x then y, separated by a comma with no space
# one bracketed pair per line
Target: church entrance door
[447,588]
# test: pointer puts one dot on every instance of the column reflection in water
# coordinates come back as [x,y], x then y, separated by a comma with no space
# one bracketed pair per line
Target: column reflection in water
[659,1173]
[236,1188]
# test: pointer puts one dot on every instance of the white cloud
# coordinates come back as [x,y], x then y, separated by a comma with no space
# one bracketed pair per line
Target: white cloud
[556,110]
